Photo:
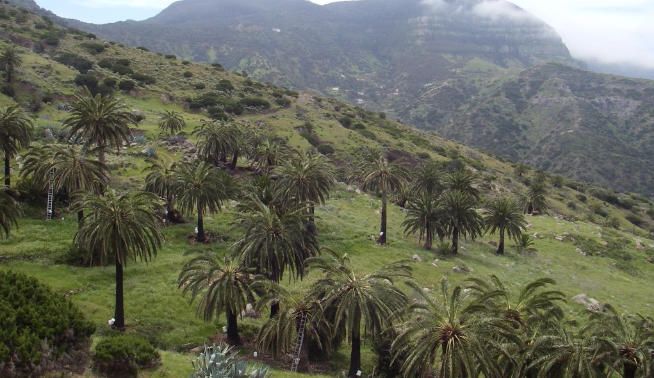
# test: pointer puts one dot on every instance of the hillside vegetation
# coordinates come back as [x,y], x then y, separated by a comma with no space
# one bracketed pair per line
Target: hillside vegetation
[590,240]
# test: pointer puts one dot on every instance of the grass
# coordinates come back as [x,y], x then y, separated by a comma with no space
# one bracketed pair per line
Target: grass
[156,309]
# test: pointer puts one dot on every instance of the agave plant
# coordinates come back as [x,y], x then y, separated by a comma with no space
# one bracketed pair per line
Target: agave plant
[219,361]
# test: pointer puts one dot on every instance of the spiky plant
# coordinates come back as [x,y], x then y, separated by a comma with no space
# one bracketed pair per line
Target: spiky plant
[9,212]
[15,134]
[464,181]
[460,217]
[424,217]
[171,122]
[10,61]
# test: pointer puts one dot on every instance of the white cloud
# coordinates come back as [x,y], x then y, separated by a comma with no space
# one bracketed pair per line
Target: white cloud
[144,4]
[501,10]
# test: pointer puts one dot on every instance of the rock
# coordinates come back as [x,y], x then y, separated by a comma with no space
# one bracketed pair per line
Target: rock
[358,191]
[591,304]
[435,263]
[639,245]
[579,251]
[426,290]
[559,238]
[416,258]
[461,269]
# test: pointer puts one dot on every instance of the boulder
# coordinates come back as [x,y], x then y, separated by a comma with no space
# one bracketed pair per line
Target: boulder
[591,304]
[461,269]
[416,258]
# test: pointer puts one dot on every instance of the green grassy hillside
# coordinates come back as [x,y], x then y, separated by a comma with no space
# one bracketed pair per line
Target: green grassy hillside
[593,241]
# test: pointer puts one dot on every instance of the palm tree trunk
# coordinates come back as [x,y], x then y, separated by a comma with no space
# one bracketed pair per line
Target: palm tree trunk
[355,355]
[274,309]
[7,170]
[10,73]
[119,316]
[200,238]
[234,160]
[629,370]
[455,241]
[428,240]
[382,233]
[232,329]
[500,247]
[80,219]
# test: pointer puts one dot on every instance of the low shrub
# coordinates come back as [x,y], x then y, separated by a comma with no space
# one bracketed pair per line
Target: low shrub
[123,355]
[38,327]
[87,80]
[188,74]
[222,361]
[79,63]
[255,103]
[93,47]
[143,78]
[326,149]
[126,85]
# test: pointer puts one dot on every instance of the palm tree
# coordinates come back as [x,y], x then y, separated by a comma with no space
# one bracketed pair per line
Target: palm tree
[504,215]
[71,170]
[225,287]
[383,177]
[171,122]
[625,342]
[463,181]
[268,153]
[274,240]
[162,181]
[566,355]
[428,179]
[203,188]
[10,60]
[460,217]
[15,134]
[424,218]
[449,328]
[215,141]
[536,200]
[371,299]
[9,212]
[123,227]
[305,181]
[101,121]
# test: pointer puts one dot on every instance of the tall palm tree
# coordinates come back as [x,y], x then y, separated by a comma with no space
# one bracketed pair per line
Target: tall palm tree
[9,212]
[381,176]
[305,180]
[215,141]
[123,227]
[202,188]
[274,240]
[464,181]
[171,122]
[10,60]
[69,167]
[101,121]
[371,299]
[448,331]
[427,179]
[15,134]
[535,199]
[505,216]
[625,342]
[460,217]
[424,217]
[225,287]
[161,180]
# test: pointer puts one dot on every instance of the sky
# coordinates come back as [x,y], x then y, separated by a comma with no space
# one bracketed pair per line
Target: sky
[609,31]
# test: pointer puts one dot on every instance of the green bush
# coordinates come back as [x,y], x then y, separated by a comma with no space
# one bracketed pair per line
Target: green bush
[326,149]
[222,361]
[255,103]
[93,47]
[126,85]
[123,355]
[225,86]
[188,74]
[346,121]
[33,320]
[283,102]
[635,220]
[87,80]
[79,63]
[144,79]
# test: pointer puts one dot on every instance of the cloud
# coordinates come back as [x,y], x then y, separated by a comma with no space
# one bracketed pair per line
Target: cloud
[143,4]
[501,10]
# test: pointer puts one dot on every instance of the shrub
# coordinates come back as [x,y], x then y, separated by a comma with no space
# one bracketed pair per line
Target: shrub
[109,82]
[79,63]
[51,38]
[93,47]
[225,86]
[217,113]
[346,121]
[122,69]
[171,56]
[572,205]
[143,48]
[123,355]
[144,79]
[326,149]
[35,320]
[188,74]
[87,80]
[283,102]
[221,361]
[200,86]
[126,85]
[635,220]
[255,103]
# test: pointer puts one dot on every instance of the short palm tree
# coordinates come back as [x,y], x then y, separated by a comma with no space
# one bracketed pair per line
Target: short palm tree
[305,180]
[15,134]
[269,153]
[625,342]
[10,60]
[428,179]
[381,176]
[424,217]
[171,122]
[460,217]
[464,181]
[536,198]
[371,300]
[449,331]
[566,355]
[9,212]
[161,180]
[122,227]
[215,141]
[202,188]
[274,240]
[101,121]
[505,216]
[70,169]
[225,286]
